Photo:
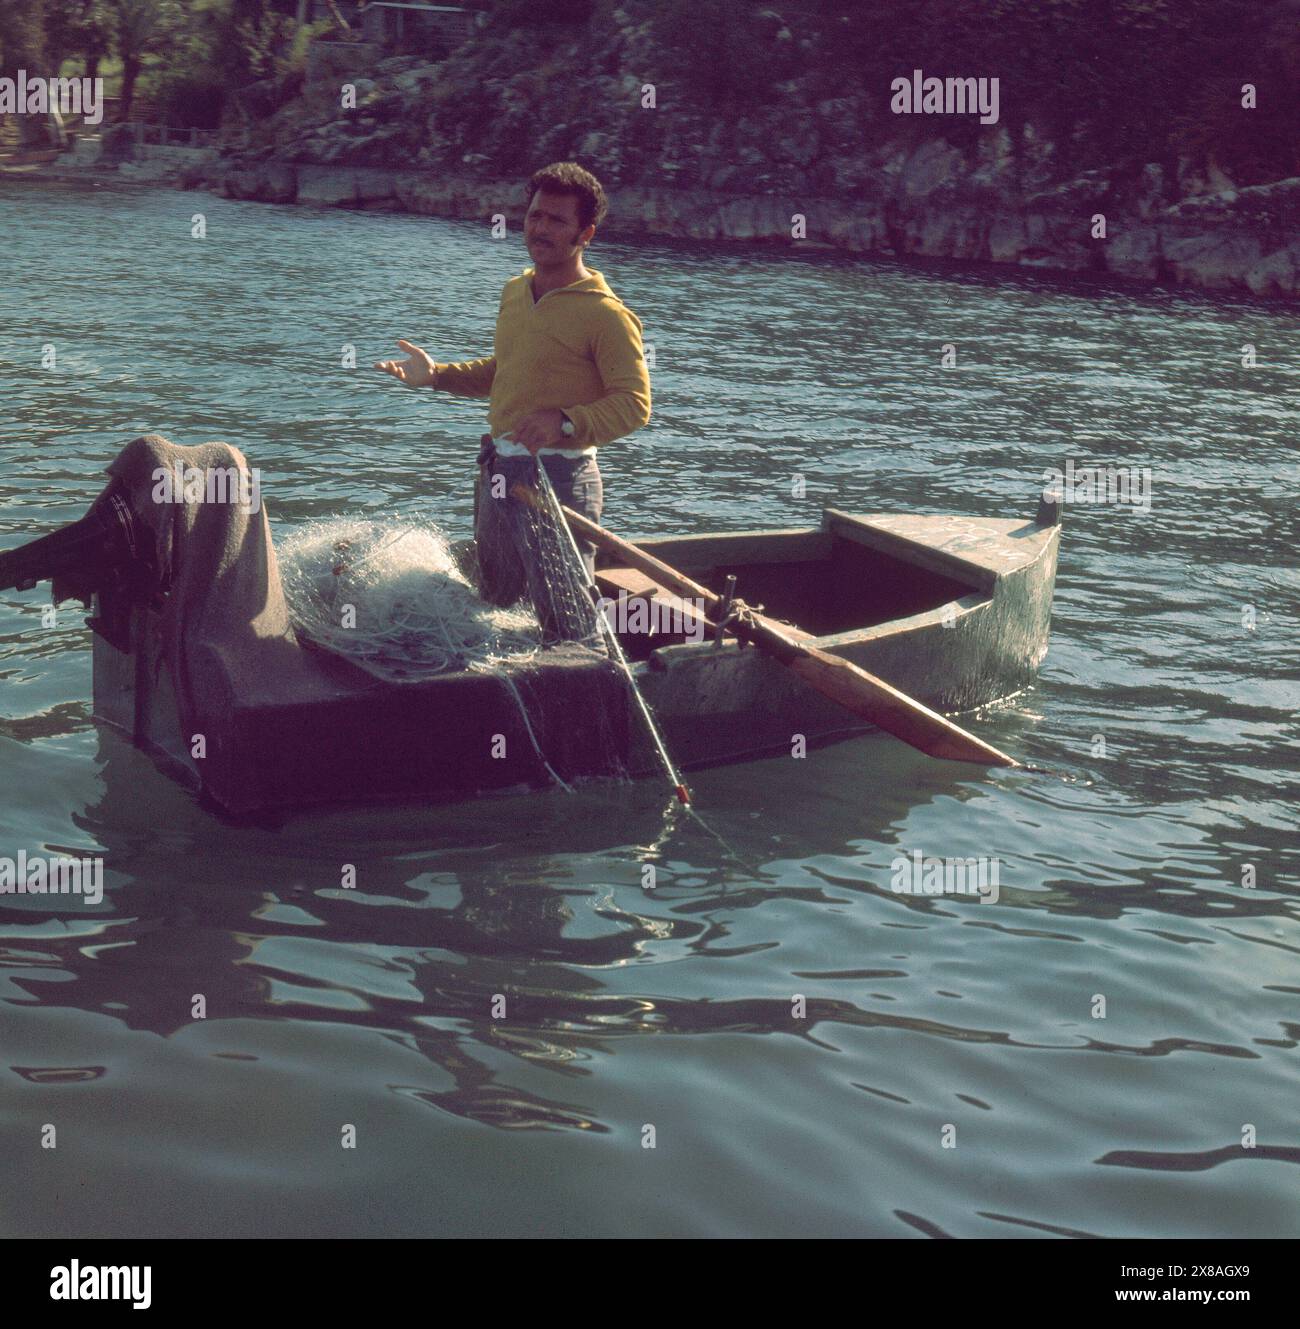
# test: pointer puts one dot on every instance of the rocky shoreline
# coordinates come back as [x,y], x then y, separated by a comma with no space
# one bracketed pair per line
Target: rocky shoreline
[1236,240]
[785,133]
[1245,240]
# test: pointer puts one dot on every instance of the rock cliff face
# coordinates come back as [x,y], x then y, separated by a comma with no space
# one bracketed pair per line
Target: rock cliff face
[1244,240]
[457,138]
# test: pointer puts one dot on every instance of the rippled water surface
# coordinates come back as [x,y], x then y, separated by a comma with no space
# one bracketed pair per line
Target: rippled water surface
[1174,641]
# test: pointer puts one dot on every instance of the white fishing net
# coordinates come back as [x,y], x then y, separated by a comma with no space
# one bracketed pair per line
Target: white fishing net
[390,596]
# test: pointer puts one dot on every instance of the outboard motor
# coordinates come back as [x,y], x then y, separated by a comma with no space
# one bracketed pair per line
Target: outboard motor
[108,551]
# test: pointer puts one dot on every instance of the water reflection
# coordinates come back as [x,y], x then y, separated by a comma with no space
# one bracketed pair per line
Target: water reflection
[1156,870]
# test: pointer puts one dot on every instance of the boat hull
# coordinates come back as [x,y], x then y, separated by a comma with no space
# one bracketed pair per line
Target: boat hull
[981,590]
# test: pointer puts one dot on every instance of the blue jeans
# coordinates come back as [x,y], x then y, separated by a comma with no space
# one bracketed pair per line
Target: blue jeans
[516,545]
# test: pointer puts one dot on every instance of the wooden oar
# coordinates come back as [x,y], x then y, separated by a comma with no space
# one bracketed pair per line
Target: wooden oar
[859,692]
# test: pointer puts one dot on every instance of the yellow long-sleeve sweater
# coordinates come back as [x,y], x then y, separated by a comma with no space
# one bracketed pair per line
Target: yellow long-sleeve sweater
[578,348]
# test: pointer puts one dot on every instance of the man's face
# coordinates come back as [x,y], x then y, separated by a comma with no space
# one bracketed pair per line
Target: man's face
[552,230]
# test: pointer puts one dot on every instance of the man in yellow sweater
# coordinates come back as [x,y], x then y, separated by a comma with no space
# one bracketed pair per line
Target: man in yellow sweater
[567,376]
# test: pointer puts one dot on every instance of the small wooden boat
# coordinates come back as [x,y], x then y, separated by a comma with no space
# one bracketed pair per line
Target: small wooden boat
[953,610]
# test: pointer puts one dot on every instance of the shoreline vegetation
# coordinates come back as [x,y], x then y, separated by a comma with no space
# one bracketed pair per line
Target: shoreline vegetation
[1145,141]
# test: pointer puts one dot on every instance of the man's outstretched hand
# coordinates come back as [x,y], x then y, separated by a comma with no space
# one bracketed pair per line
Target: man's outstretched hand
[416,371]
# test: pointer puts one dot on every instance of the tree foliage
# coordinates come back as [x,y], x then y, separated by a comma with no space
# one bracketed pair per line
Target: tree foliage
[1114,83]
[1109,81]
[22,35]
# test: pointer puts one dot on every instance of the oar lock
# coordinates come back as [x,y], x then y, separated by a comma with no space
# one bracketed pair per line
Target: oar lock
[731,610]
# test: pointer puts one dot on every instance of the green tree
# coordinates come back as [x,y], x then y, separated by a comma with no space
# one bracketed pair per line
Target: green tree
[253,39]
[78,28]
[141,28]
[22,36]
[22,46]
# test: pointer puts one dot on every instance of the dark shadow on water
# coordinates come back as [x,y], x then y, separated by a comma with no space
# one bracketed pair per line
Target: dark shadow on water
[532,898]
[452,908]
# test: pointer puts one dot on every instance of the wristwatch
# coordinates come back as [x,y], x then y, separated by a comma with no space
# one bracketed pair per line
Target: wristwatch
[568,428]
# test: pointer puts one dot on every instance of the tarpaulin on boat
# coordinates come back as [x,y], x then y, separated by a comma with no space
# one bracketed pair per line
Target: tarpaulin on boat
[225,629]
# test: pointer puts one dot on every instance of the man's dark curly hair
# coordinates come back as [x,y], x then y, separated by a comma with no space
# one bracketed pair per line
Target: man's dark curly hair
[570,178]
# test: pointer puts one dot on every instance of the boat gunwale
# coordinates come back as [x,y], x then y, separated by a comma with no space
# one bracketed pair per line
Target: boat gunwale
[906,549]
[837,523]
[816,536]
[859,529]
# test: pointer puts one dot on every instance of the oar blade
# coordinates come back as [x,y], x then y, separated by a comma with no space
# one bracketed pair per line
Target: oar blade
[872,699]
